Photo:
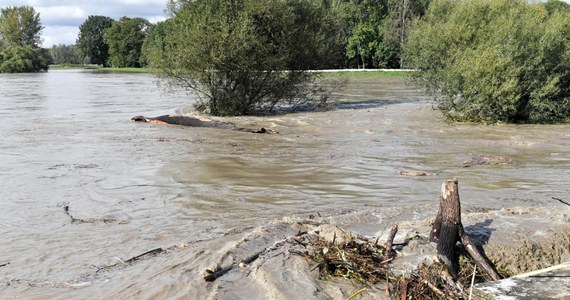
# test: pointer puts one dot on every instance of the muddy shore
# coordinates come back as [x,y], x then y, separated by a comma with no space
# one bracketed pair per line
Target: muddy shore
[264,262]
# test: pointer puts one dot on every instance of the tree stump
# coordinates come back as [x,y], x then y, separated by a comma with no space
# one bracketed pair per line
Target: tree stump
[447,231]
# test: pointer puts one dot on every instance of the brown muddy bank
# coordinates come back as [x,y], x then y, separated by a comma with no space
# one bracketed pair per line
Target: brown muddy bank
[271,262]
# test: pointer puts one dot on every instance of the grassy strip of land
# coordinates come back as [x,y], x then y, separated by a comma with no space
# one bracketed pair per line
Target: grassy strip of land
[366,73]
[325,73]
[71,67]
[125,70]
[100,69]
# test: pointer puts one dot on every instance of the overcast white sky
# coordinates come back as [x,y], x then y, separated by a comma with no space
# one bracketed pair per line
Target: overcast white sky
[62,18]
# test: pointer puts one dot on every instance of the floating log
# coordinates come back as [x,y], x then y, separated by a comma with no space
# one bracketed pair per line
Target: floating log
[447,231]
[197,122]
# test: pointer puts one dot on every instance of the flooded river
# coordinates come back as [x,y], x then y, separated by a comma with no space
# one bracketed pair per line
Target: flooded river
[82,186]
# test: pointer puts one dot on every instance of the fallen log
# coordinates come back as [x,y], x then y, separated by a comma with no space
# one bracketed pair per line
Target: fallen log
[197,122]
[447,231]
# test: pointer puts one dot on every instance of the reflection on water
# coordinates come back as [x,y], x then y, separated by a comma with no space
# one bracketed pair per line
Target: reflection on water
[67,138]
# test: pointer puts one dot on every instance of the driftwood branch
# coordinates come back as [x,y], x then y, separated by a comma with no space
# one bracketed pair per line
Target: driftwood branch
[75,220]
[390,240]
[152,252]
[558,199]
[481,260]
[447,231]
[565,265]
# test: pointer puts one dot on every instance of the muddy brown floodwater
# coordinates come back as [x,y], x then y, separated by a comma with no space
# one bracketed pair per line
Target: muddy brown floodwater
[82,186]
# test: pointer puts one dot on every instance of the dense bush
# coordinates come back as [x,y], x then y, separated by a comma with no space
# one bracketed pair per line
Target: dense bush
[21,59]
[494,61]
[243,56]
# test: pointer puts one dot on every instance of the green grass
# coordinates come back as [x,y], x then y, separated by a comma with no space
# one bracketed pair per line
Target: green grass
[100,69]
[124,70]
[367,73]
[70,67]
[375,73]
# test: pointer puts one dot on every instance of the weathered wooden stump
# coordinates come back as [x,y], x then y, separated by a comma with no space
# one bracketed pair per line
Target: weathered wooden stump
[447,231]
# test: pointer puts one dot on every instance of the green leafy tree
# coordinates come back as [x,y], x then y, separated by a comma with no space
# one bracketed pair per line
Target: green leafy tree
[362,44]
[494,61]
[91,41]
[397,23]
[20,26]
[20,38]
[125,38]
[155,41]
[244,56]
[364,27]
[557,5]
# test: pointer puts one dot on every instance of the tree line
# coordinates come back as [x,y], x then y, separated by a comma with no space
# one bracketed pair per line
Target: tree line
[483,61]
[367,33]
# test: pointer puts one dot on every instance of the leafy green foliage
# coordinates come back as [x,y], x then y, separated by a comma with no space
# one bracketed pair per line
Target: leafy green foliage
[20,38]
[396,25]
[364,21]
[494,61]
[91,41]
[21,59]
[125,39]
[20,25]
[155,41]
[376,29]
[557,5]
[244,56]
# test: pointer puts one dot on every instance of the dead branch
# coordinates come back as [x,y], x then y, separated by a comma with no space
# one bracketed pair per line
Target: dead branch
[390,240]
[481,260]
[152,252]
[558,199]
[75,220]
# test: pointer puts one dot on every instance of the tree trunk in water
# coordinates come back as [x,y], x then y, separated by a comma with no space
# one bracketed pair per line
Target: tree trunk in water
[447,230]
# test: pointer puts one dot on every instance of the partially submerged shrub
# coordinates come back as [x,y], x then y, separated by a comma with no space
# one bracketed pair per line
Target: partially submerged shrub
[19,59]
[494,61]
[243,56]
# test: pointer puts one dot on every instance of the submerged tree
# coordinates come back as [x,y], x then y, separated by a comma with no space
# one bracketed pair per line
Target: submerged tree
[91,41]
[20,35]
[243,56]
[494,61]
